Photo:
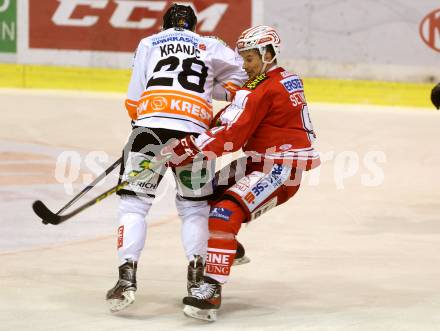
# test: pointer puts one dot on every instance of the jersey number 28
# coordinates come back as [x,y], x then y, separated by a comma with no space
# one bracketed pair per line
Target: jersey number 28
[188,66]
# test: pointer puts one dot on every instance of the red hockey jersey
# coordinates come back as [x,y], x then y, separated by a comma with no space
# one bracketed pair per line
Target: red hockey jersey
[268,118]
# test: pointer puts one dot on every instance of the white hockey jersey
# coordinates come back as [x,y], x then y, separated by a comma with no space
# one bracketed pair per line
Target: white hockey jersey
[176,73]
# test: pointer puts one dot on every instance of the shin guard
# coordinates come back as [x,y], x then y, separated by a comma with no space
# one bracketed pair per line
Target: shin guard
[224,223]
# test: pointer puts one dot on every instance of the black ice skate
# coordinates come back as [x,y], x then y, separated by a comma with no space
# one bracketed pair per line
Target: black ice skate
[240,255]
[122,294]
[204,301]
[195,273]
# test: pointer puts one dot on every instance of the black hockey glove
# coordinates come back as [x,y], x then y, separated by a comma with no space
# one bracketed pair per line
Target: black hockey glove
[435,96]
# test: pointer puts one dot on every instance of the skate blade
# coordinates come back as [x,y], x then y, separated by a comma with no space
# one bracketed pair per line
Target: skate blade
[241,260]
[120,304]
[209,315]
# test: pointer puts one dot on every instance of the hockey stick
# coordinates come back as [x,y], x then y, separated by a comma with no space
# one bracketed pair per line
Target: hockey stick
[49,217]
[91,185]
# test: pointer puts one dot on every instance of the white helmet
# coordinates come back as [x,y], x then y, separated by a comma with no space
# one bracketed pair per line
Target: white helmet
[260,37]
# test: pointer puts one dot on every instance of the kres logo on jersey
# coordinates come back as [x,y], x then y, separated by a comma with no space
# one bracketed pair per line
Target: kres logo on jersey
[430,30]
[118,25]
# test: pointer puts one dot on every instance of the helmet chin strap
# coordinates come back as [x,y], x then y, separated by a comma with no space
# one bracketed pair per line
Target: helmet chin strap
[263,68]
[265,63]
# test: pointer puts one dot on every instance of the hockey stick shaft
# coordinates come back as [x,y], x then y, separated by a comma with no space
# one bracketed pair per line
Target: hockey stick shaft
[145,174]
[91,185]
[49,217]
[92,202]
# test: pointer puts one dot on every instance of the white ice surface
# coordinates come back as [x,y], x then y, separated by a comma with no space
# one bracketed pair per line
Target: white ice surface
[332,258]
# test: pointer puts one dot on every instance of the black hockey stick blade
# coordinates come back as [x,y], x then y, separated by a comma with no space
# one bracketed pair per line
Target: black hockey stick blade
[49,217]
[45,214]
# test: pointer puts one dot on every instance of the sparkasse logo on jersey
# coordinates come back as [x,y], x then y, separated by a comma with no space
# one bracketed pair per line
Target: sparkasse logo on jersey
[430,30]
[118,25]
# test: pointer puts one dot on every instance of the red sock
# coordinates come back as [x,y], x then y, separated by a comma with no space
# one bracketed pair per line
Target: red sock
[224,222]
[221,254]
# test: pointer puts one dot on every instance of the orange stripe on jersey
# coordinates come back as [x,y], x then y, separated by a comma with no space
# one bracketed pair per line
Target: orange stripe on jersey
[131,107]
[180,93]
[231,87]
[175,102]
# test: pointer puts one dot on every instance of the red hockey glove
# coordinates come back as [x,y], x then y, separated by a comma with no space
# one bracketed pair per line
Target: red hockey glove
[182,151]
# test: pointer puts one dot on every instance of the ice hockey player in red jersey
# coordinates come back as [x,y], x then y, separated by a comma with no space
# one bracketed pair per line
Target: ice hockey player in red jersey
[269,119]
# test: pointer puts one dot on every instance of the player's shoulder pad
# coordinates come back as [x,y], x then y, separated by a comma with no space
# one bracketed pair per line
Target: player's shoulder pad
[218,39]
[252,84]
[144,43]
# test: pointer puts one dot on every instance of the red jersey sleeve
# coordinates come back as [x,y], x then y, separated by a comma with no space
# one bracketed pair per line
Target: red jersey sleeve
[237,123]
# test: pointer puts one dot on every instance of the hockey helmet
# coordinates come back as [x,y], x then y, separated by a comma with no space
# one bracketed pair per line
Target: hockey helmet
[259,37]
[179,16]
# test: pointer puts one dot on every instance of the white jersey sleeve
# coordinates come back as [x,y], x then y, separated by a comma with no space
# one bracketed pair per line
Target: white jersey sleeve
[175,74]
[137,81]
[229,73]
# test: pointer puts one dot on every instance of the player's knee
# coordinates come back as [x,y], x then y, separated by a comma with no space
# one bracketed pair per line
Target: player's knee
[226,216]
[187,207]
[194,230]
[192,211]
[130,204]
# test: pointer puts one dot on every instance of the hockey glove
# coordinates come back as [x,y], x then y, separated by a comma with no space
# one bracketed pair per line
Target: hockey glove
[182,151]
[435,96]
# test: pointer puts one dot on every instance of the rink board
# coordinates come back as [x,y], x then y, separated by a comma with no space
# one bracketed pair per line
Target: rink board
[317,89]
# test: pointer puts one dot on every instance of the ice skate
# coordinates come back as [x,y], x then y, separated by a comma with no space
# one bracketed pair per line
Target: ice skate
[240,255]
[123,293]
[204,301]
[195,273]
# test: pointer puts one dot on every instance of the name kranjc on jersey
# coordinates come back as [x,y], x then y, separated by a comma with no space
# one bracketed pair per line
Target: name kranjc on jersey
[176,73]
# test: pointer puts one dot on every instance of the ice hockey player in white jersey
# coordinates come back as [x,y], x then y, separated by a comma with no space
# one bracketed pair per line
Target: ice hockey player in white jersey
[176,74]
